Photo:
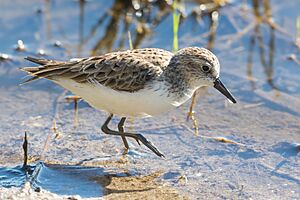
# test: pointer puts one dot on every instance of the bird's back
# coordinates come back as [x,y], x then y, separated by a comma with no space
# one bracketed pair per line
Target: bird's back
[122,71]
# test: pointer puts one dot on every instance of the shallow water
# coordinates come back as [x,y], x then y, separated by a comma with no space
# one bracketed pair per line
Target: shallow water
[258,47]
[70,180]
[12,177]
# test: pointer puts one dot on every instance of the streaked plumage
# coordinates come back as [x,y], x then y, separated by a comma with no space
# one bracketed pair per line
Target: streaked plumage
[121,71]
[139,82]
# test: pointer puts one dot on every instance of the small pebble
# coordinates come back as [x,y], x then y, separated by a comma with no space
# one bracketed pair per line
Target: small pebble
[41,52]
[57,43]
[20,46]
[4,57]
[39,10]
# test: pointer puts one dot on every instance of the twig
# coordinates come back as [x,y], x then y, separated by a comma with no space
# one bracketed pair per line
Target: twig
[75,99]
[253,105]
[25,148]
[55,115]
[219,139]
[130,40]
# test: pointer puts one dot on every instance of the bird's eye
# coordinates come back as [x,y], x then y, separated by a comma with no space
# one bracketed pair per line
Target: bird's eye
[205,68]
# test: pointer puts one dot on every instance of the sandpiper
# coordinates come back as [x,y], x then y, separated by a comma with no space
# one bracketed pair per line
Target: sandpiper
[138,83]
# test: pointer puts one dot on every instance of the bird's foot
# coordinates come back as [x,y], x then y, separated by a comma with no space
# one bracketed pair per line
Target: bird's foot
[125,152]
[140,138]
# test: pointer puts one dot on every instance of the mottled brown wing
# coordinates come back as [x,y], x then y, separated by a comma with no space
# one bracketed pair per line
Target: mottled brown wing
[158,57]
[119,71]
[123,71]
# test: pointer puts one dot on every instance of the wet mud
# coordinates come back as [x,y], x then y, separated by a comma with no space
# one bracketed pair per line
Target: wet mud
[249,150]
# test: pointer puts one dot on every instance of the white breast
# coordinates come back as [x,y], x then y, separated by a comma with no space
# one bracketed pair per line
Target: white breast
[143,103]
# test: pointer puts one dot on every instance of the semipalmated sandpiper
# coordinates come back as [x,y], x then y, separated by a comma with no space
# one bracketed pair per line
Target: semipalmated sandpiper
[137,83]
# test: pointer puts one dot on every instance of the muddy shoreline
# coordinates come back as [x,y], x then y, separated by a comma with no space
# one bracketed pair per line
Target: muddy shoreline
[249,150]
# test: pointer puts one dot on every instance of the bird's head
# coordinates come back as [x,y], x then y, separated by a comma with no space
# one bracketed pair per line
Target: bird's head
[202,68]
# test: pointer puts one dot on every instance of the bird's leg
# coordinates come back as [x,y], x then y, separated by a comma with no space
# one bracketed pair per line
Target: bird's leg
[137,137]
[121,130]
[191,114]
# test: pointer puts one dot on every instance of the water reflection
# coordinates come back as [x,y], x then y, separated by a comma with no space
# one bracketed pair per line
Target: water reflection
[81,26]
[47,14]
[138,17]
[125,14]
[266,59]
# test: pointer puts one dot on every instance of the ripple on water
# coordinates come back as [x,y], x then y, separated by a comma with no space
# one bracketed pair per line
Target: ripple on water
[12,177]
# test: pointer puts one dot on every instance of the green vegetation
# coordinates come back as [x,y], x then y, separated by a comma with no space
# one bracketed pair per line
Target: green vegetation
[176,20]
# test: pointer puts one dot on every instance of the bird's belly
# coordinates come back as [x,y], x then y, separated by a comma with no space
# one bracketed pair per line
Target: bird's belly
[143,103]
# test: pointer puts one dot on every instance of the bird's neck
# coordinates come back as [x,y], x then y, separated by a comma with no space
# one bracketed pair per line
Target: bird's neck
[178,84]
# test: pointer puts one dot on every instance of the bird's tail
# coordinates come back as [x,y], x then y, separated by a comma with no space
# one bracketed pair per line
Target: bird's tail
[46,69]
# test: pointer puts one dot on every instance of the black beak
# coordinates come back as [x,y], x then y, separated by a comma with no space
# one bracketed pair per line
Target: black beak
[219,86]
